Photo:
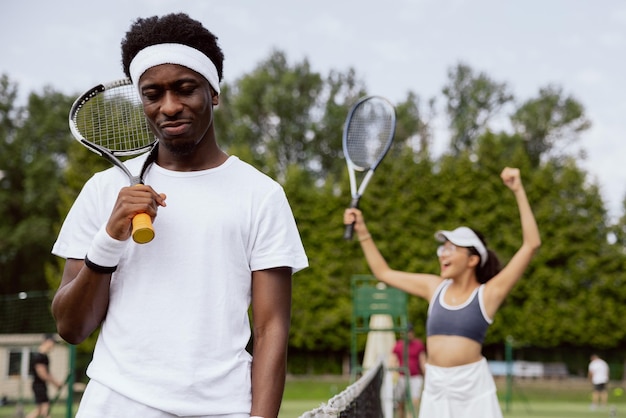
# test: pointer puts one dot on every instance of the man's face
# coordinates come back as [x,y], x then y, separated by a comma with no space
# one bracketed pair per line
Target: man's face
[47,346]
[178,103]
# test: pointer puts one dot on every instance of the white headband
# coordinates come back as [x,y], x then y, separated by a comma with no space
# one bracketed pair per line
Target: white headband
[174,54]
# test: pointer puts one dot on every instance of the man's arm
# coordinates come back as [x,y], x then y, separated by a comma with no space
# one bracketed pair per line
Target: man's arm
[81,303]
[44,374]
[271,312]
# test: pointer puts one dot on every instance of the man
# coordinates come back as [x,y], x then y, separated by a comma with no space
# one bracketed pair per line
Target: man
[599,376]
[174,312]
[416,361]
[41,377]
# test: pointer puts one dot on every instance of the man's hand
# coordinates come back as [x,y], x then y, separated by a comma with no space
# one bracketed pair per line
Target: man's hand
[131,201]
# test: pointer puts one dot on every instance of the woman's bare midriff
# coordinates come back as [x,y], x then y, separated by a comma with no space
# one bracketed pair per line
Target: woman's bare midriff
[452,351]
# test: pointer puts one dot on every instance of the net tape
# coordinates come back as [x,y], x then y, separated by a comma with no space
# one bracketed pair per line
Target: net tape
[361,399]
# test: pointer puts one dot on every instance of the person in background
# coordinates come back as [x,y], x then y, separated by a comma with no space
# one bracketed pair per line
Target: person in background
[463,300]
[41,378]
[416,362]
[598,372]
[174,313]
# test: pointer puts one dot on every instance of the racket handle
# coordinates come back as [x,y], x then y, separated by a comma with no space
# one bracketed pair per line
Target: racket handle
[348,231]
[143,232]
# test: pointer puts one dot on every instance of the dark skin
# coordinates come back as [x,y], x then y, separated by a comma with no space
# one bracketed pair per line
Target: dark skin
[178,103]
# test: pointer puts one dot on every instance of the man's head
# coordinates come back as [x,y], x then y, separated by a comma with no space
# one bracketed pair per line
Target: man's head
[48,343]
[410,331]
[172,39]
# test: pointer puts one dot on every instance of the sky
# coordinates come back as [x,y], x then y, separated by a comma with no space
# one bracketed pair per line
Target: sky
[394,46]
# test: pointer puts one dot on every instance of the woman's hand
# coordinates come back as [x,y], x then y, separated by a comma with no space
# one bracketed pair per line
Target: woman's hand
[512,178]
[353,215]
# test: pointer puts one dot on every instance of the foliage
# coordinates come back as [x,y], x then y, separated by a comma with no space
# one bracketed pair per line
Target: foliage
[544,121]
[33,144]
[287,120]
[472,101]
[280,116]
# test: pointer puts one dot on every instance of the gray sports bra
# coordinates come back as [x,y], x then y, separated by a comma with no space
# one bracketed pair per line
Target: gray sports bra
[466,320]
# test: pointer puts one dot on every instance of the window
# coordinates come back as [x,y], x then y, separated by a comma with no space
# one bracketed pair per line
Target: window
[19,362]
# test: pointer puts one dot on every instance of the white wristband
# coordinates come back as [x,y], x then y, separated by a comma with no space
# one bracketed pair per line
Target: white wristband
[105,250]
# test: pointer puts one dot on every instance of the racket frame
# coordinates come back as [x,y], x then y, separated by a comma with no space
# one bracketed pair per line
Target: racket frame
[143,231]
[357,193]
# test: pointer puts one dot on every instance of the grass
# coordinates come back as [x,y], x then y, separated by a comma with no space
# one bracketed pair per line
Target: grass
[303,394]
[13,411]
[569,398]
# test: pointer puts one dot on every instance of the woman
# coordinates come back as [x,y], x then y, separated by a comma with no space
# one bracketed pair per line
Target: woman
[463,301]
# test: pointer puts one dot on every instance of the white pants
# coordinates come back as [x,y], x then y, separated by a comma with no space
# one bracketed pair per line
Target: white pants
[467,391]
[415,385]
[99,401]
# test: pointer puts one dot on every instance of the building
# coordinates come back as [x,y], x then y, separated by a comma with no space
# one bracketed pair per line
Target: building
[15,373]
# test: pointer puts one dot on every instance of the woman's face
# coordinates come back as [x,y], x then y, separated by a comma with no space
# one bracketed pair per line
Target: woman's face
[453,259]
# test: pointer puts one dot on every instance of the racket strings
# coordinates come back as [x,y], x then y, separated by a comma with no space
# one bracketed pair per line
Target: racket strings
[115,120]
[369,133]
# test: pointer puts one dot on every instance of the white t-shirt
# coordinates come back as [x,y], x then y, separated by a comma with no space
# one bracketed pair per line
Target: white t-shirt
[599,371]
[175,333]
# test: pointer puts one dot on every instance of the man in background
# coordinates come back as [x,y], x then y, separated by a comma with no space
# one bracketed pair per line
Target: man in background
[41,371]
[599,376]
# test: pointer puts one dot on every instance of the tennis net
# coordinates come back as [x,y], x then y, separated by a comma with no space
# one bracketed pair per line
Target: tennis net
[361,399]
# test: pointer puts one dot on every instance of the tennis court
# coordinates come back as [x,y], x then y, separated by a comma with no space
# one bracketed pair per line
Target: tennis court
[567,398]
[535,398]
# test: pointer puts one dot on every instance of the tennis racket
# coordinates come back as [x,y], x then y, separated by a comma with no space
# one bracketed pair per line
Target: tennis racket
[108,119]
[58,394]
[367,137]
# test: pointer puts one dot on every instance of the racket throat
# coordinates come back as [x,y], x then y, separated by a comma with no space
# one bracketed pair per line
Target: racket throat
[365,182]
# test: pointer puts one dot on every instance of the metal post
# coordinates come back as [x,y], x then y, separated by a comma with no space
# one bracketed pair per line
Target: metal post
[508,350]
[69,402]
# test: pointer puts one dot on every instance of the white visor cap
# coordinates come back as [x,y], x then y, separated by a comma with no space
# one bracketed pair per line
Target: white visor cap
[464,237]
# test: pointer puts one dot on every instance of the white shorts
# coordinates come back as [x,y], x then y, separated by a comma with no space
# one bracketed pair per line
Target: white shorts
[415,383]
[467,391]
[99,401]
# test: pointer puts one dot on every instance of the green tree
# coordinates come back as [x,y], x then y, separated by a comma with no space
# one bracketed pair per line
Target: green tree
[472,101]
[544,121]
[281,114]
[414,126]
[33,145]
[321,299]
[619,230]
[287,120]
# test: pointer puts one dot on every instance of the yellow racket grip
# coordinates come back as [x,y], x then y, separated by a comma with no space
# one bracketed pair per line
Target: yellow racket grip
[143,232]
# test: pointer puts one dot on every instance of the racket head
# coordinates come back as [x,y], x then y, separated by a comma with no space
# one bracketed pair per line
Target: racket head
[368,132]
[367,137]
[110,116]
[109,120]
